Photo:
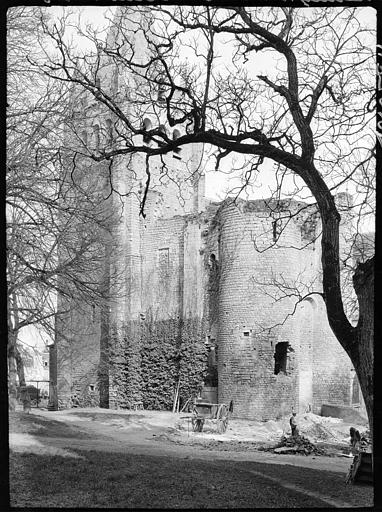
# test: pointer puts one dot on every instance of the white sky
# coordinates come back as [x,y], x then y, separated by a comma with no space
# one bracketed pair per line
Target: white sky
[217,184]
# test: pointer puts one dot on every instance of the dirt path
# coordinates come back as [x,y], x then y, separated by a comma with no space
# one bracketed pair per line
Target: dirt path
[148,433]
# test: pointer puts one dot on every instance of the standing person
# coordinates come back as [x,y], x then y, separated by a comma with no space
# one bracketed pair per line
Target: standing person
[25,398]
[293,424]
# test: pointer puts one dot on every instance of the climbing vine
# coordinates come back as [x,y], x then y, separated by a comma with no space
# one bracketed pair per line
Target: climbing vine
[192,358]
[125,365]
[159,362]
[148,361]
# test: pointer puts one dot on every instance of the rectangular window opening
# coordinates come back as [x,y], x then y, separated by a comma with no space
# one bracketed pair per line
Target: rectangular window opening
[281,357]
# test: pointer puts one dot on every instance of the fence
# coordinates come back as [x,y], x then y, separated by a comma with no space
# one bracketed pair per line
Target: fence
[35,391]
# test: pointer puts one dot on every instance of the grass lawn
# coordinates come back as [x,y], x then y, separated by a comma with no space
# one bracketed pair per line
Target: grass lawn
[87,479]
[145,481]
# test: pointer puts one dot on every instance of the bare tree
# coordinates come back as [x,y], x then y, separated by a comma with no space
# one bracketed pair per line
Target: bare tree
[309,112]
[49,252]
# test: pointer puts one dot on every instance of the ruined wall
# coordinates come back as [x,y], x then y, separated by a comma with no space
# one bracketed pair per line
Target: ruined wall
[245,347]
[78,357]
[162,246]
[254,326]
[172,327]
[332,376]
[304,323]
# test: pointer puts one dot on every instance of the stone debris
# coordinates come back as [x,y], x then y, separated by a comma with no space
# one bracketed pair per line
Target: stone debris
[297,444]
[321,428]
[318,435]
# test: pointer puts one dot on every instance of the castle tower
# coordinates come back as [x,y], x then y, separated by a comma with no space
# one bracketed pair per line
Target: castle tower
[186,274]
[248,351]
[100,355]
[275,353]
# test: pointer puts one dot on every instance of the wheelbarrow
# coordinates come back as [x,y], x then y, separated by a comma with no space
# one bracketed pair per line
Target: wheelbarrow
[218,413]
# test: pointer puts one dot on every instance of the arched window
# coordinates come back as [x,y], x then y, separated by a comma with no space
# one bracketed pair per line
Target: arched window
[96,136]
[146,126]
[116,81]
[176,135]
[109,131]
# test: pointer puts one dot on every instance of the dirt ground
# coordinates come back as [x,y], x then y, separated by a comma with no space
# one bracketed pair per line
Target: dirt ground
[78,434]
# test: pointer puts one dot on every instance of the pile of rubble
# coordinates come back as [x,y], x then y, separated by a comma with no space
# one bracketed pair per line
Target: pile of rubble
[320,428]
[297,444]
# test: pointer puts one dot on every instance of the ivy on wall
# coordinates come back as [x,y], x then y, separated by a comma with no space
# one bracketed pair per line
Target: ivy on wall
[193,356]
[125,367]
[159,362]
[147,360]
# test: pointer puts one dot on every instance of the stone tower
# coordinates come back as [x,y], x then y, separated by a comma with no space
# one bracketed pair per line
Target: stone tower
[193,275]
[90,357]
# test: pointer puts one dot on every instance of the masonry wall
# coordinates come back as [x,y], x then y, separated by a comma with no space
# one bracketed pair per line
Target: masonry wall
[304,324]
[211,274]
[162,250]
[78,358]
[332,376]
[246,348]
[192,270]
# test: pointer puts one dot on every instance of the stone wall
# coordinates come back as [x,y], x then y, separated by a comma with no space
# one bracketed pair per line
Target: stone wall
[332,376]
[218,268]
[249,267]
[78,357]
[255,324]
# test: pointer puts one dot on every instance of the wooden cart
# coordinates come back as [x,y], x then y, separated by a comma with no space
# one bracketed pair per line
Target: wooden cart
[218,413]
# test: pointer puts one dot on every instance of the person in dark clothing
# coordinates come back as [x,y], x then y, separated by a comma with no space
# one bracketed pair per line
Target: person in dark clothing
[293,424]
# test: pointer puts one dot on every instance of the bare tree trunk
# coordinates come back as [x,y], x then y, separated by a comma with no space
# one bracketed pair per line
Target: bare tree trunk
[20,367]
[15,369]
[362,354]
[12,373]
[357,341]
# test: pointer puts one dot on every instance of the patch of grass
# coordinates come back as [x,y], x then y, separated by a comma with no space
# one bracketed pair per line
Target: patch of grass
[34,424]
[145,481]
[330,483]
